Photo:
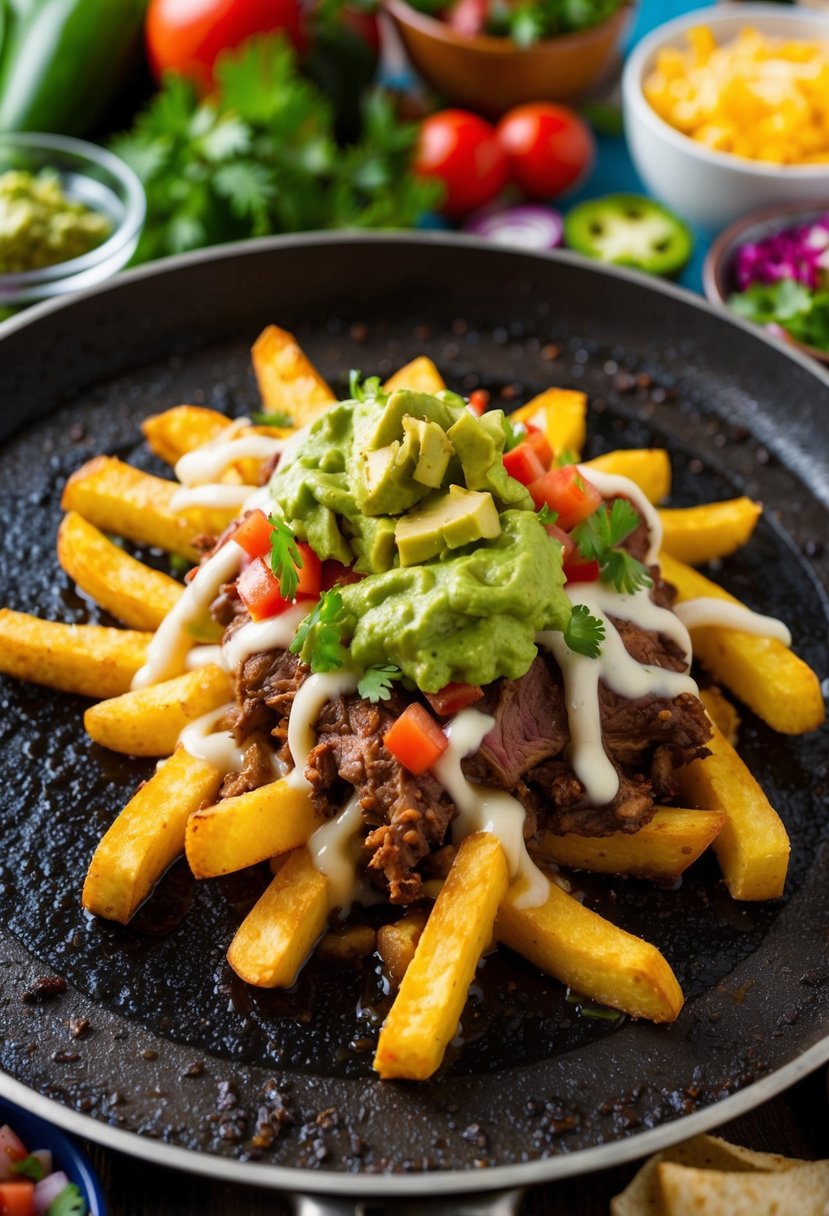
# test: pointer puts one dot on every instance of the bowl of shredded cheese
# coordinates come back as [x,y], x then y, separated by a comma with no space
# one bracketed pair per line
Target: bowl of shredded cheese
[727,110]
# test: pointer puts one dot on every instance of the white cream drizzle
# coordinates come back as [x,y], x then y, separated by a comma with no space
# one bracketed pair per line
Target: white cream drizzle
[167,652]
[207,463]
[275,633]
[203,656]
[612,485]
[217,496]
[218,748]
[706,610]
[315,692]
[484,809]
[334,850]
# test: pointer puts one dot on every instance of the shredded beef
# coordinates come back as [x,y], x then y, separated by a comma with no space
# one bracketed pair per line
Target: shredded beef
[258,769]
[530,723]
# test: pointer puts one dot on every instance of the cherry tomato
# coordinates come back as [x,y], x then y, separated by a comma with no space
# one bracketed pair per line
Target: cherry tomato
[549,148]
[187,36]
[461,150]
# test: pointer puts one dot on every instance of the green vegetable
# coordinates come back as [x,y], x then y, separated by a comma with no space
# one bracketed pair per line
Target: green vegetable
[61,61]
[277,418]
[598,538]
[584,633]
[546,515]
[70,1202]
[376,682]
[30,1167]
[530,20]
[285,558]
[40,226]
[628,230]
[370,388]
[804,314]
[319,639]
[260,157]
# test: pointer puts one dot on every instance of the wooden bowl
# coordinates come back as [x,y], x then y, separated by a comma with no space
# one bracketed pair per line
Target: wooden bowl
[490,75]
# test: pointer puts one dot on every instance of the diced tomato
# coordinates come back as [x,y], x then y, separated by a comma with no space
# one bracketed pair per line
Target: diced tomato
[568,492]
[568,545]
[335,574]
[258,589]
[254,534]
[17,1198]
[415,739]
[523,464]
[540,444]
[310,572]
[12,1149]
[478,401]
[580,570]
[453,698]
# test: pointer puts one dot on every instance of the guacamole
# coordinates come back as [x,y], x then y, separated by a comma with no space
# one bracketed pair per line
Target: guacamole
[40,226]
[411,491]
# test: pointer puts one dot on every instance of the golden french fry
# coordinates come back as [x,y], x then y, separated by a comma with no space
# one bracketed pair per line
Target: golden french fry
[722,712]
[278,934]
[134,593]
[148,721]
[252,827]
[397,942]
[713,529]
[346,945]
[147,836]
[288,381]
[430,1000]
[562,415]
[182,429]
[752,847]
[91,660]
[649,468]
[118,498]
[799,1191]
[762,672]
[661,850]
[592,956]
[420,376]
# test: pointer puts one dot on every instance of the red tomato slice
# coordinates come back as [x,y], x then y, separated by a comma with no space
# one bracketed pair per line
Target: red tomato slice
[523,464]
[254,534]
[453,698]
[17,1198]
[258,589]
[568,492]
[461,150]
[415,739]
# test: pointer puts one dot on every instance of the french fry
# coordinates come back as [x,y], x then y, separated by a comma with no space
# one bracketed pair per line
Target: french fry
[762,672]
[562,415]
[420,376]
[288,381]
[722,712]
[595,958]
[397,942]
[278,934]
[346,945]
[661,850]
[182,429]
[252,827]
[91,660]
[118,498]
[147,836]
[752,846]
[430,1000]
[148,721]
[714,529]
[137,595]
[649,468]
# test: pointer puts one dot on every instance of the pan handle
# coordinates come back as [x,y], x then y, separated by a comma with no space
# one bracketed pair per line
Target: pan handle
[492,1203]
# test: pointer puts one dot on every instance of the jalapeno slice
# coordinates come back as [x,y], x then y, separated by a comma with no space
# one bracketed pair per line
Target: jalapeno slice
[629,230]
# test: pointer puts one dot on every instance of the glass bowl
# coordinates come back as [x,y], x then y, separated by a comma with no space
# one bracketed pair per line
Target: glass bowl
[90,175]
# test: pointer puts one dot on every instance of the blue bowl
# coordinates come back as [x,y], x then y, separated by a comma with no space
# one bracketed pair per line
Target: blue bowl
[66,1156]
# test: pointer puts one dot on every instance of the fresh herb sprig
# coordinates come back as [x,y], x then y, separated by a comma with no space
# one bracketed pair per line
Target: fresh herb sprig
[546,515]
[272,418]
[30,1167]
[598,538]
[368,389]
[70,1202]
[285,557]
[584,633]
[319,638]
[375,683]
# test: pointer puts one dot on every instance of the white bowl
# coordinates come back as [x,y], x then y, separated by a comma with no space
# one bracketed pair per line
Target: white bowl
[713,188]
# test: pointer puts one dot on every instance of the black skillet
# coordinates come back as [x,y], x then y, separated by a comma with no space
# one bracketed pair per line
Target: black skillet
[182,1064]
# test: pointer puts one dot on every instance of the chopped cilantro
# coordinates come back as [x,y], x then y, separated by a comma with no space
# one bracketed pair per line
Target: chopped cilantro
[376,682]
[598,538]
[30,1167]
[319,637]
[546,515]
[368,389]
[70,1202]
[584,633]
[567,456]
[285,558]
[513,434]
[272,418]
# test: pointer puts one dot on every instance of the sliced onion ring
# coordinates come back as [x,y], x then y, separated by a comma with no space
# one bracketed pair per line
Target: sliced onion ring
[47,1191]
[527,226]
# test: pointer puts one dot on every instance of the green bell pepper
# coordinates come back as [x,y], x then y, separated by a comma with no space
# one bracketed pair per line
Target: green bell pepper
[62,60]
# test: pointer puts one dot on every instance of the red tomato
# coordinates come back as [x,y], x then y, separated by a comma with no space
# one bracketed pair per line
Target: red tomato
[187,36]
[568,545]
[415,739]
[310,572]
[578,569]
[568,493]
[540,444]
[549,148]
[523,464]
[454,697]
[478,401]
[258,589]
[254,534]
[462,151]
[17,1198]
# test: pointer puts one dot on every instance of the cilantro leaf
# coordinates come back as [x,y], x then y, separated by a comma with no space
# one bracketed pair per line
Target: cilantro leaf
[626,572]
[271,418]
[375,684]
[513,434]
[584,633]
[30,1167]
[368,389]
[285,558]
[598,538]
[546,515]
[319,638]
[70,1202]
[566,457]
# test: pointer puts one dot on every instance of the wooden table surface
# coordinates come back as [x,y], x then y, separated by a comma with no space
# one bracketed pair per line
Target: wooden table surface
[795,1123]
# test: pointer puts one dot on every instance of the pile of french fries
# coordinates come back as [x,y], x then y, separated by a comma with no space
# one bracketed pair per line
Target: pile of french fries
[430,956]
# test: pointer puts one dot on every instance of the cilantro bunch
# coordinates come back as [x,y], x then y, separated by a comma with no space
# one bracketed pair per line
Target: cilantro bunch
[260,156]
[802,312]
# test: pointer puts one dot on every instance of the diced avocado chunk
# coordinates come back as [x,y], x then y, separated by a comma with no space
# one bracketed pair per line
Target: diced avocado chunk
[433,448]
[448,521]
[475,448]
[405,403]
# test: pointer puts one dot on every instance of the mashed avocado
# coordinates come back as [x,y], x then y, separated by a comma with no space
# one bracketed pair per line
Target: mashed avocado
[472,611]
[40,226]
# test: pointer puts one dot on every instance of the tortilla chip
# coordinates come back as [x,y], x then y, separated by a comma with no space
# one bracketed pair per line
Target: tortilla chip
[800,1191]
